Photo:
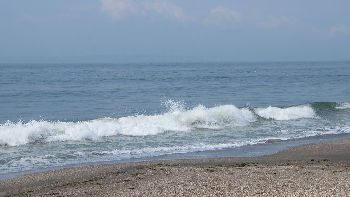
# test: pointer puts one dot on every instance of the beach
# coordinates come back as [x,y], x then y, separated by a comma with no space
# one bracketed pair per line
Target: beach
[310,170]
[174,98]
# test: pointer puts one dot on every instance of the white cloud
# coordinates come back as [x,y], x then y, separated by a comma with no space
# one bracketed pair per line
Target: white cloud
[274,22]
[332,31]
[220,15]
[339,29]
[167,8]
[118,9]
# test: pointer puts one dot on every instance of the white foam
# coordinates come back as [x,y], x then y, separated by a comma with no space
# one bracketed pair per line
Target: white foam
[156,151]
[343,106]
[13,134]
[176,119]
[290,113]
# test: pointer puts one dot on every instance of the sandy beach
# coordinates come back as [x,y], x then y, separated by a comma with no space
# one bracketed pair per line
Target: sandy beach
[310,170]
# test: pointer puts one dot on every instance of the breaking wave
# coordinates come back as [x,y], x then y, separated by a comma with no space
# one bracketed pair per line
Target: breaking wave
[343,106]
[290,113]
[176,119]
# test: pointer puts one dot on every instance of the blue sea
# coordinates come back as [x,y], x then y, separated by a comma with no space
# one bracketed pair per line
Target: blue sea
[60,115]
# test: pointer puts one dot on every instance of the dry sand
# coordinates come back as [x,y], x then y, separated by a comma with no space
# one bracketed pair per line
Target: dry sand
[310,170]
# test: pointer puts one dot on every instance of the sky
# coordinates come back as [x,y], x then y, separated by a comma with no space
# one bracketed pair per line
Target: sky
[174,30]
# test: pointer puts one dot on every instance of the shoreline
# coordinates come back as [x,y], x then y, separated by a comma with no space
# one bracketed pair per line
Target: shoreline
[264,148]
[317,167]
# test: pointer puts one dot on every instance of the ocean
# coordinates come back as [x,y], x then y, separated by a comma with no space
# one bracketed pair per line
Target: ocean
[61,115]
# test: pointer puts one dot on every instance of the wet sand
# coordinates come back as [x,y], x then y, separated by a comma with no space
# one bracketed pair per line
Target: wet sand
[310,170]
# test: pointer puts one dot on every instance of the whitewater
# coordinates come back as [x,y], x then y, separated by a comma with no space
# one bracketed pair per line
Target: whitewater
[179,130]
[177,119]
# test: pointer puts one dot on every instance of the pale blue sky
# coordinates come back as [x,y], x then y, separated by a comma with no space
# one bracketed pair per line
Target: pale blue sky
[173,30]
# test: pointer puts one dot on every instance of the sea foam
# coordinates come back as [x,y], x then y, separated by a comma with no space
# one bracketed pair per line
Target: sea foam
[176,119]
[163,150]
[289,113]
[343,106]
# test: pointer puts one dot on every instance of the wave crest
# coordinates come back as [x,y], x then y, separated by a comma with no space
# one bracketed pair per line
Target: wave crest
[343,106]
[176,119]
[290,113]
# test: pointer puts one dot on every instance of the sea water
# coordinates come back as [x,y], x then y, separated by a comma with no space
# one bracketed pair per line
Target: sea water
[57,115]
